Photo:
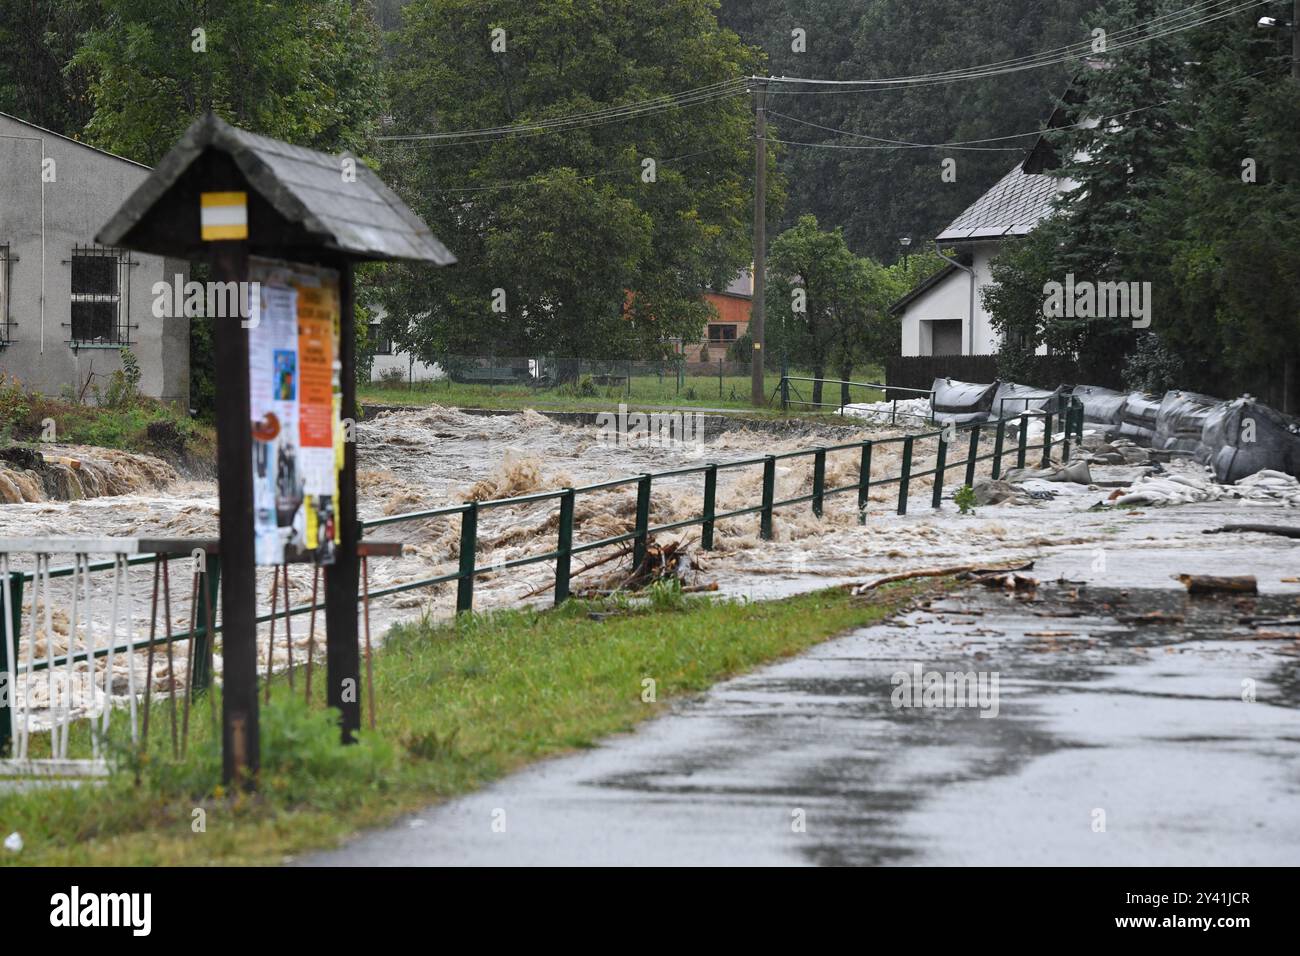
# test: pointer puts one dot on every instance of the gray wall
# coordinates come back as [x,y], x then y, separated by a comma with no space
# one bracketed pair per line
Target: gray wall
[87,189]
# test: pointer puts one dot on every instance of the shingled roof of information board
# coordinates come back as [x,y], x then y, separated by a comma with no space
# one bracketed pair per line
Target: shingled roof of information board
[308,191]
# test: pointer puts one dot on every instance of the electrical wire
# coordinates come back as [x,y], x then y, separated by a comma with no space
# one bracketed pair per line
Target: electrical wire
[588,119]
[969,144]
[1129,37]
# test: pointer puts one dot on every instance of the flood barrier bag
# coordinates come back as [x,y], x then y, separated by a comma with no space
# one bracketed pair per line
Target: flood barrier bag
[1012,399]
[1181,422]
[1102,406]
[961,402]
[1138,424]
[1243,437]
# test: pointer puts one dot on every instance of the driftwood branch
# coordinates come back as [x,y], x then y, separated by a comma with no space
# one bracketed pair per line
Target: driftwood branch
[932,573]
[1284,530]
[1209,583]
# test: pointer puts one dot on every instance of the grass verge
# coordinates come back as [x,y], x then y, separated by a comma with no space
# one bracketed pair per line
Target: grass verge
[131,423]
[650,390]
[458,705]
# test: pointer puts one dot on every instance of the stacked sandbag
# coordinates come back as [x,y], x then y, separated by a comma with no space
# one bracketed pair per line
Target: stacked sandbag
[1102,406]
[1012,399]
[961,402]
[1138,421]
[1181,422]
[1244,437]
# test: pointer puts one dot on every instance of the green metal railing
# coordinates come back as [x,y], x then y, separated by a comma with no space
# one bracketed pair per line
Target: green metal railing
[784,388]
[709,516]
[208,578]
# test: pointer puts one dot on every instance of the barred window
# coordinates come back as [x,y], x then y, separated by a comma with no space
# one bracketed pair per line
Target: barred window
[100,296]
[383,340]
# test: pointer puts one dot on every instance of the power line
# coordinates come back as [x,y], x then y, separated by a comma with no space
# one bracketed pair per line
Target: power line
[1131,36]
[590,118]
[1171,23]
[608,171]
[968,144]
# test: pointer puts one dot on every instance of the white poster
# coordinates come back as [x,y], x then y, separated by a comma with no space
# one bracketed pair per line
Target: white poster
[291,348]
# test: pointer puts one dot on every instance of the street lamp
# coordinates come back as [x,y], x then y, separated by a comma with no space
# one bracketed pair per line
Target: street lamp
[1269,23]
[905,241]
[1272,23]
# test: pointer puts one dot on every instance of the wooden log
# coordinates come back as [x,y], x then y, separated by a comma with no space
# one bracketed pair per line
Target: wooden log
[1210,583]
[1284,530]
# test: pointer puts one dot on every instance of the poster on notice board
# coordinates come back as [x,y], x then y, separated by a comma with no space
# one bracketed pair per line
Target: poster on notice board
[294,401]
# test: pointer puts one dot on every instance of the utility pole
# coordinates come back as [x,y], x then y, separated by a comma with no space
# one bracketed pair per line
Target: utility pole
[1288,364]
[757,306]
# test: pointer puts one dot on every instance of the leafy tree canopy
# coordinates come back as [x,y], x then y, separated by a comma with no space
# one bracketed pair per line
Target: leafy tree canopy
[589,241]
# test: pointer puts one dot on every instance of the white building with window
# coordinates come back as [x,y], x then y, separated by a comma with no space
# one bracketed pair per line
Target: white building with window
[391,365]
[67,306]
[944,315]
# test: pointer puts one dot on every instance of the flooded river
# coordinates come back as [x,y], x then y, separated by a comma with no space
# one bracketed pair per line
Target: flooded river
[410,460]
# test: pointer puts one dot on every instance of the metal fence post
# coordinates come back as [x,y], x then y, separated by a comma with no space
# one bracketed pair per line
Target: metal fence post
[564,549]
[941,458]
[211,587]
[14,585]
[998,438]
[819,481]
[864,482]
[642,520]
[769,487]
[906,475]
[972,455]
[468,549]
[710,499]
[1047,440]
[1023,445]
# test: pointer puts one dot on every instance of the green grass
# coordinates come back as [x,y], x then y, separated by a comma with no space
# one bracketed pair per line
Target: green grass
[136,424]
[459,705]
[694,392]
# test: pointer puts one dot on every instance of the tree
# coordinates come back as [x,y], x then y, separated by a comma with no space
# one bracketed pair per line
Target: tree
[305,71]
[828,305]
[1190,181]
[38,38]
[592,241]
[882,192]
[1223,229]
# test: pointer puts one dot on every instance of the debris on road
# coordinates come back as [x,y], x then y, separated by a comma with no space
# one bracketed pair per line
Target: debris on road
[1262,488]
[1284,530]
[963,571]
[1210,583]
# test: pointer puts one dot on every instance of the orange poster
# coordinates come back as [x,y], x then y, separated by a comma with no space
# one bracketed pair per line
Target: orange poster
[317,308]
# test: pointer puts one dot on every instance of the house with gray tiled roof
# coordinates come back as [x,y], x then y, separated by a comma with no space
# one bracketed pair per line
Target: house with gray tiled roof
[944,315]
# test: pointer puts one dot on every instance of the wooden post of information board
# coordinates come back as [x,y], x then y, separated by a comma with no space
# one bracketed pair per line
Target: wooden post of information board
[223,195]
[342,658]
[239,718]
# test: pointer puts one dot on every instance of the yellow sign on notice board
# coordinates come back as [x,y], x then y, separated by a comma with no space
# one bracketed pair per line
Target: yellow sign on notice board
[223,216]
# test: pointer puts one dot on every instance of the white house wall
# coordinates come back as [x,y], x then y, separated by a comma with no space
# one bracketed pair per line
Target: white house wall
[949,299]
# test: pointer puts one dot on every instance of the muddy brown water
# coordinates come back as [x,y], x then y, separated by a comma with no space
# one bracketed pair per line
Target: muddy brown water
[419,459]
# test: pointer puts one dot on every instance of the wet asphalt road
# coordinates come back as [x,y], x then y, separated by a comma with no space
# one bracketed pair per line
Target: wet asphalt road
[1121,737]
